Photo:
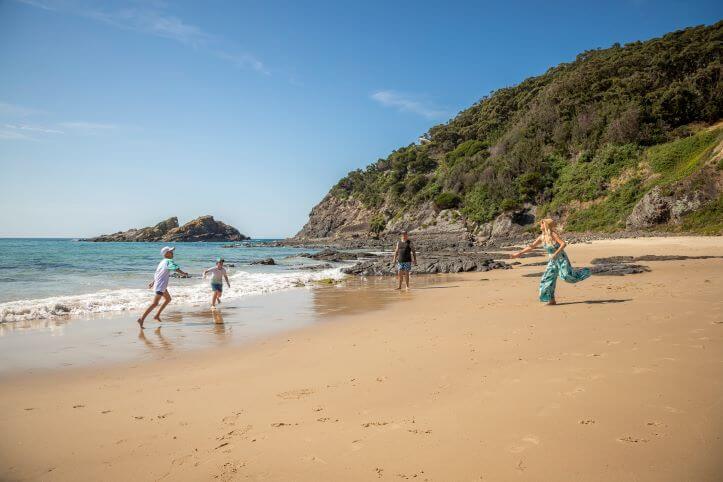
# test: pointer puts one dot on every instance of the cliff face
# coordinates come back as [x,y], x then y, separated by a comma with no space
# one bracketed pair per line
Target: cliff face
[627,137]
[334,217]
[204,228]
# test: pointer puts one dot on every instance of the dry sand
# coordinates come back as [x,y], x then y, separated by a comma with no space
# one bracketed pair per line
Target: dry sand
[467,380]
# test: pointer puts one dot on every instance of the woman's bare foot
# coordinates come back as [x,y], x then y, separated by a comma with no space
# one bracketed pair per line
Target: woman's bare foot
[551,302]
[140,323]
[157,318]
[398,288]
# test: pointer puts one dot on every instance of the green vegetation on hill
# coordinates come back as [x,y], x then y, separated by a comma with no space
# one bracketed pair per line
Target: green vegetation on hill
[569,141]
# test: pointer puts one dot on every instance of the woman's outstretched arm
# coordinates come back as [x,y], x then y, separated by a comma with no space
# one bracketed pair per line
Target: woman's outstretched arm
[527,249]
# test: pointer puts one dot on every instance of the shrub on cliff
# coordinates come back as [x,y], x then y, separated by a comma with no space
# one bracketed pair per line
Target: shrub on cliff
[447,200]
[377,224]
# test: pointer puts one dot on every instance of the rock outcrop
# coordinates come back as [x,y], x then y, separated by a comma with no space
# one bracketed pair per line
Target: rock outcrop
[265,261]
[152,233]
[204,228]
[435,263]
[334,217]
[660,206]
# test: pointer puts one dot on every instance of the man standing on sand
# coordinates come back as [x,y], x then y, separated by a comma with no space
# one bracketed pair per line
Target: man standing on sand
[404,256]
[218,274]
[160,284]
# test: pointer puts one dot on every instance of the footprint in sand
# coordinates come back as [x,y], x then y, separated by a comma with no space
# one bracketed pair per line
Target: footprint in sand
[632,440]
[575,391]
[283,424]
[673,409]
[237,432]
[78,406]
[231,419]
[374,424]
[295,394]
[587,422]
[229,470]
[529,440]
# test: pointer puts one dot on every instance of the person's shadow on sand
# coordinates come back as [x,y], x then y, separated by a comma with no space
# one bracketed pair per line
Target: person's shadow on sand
[592,302]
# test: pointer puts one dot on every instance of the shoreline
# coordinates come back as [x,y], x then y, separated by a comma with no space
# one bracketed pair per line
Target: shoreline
[469,377]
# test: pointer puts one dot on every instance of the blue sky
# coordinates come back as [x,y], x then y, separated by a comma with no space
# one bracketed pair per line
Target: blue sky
[120,114]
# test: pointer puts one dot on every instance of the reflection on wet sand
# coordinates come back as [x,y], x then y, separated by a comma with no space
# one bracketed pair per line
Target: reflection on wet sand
[161,343]
[360,294]
[112,338]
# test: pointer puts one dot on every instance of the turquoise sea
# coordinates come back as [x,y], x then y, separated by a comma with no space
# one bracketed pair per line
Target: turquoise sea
[48,278]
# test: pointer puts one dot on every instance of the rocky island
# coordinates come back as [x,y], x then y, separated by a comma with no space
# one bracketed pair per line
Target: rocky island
[204,228]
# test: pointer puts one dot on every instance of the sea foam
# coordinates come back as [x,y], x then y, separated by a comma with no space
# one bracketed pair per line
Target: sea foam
[106,301]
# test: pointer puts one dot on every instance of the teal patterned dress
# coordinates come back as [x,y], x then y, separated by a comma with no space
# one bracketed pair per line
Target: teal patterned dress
[559,266]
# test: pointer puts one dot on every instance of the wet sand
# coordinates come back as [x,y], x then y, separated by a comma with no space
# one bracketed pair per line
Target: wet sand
[467,378]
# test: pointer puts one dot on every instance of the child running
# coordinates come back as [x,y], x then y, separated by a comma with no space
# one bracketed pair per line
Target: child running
[160,284]
[558,265]
[218,274]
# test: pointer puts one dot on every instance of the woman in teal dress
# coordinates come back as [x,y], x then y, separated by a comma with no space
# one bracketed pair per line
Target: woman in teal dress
[558,264]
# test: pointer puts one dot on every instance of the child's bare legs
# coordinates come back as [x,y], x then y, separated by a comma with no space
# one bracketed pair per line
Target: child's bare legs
[167,299]
[153,304]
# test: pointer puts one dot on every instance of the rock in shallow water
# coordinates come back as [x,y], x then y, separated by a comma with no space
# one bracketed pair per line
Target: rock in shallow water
[266,261]
[443,264]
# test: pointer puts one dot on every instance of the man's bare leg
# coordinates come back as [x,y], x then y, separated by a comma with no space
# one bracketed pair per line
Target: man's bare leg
[399,279]
[153,304]
[406,278]
[167,300]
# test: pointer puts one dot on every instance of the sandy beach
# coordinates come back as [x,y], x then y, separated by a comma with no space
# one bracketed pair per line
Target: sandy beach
[463,378]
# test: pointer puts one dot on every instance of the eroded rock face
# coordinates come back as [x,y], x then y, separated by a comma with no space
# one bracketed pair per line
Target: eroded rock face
[681,198]
[652,209]
[335,217]
[204,228]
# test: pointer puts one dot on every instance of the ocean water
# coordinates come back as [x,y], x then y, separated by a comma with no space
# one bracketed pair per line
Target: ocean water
[61,278]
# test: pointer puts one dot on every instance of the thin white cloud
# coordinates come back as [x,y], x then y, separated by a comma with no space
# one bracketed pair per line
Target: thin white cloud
[35,132]
[32,128]
[244,61]
[45,5]
[25,132]
[87,126]
[7,109]
[406,103]
[13,135]
[152,22]
[151,18]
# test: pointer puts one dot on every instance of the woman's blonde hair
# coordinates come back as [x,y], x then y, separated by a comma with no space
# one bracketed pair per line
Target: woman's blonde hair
[548,226]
